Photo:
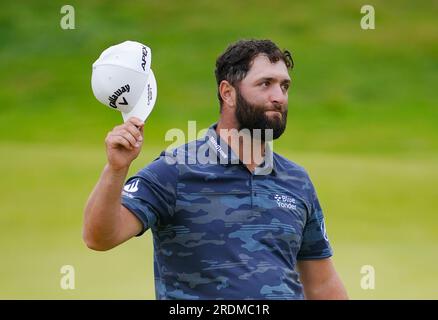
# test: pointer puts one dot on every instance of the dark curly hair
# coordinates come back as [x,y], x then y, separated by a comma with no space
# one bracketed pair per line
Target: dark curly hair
[235,62]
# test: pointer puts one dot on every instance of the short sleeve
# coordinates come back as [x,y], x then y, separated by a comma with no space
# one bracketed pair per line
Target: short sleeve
[315,243]
[150,194]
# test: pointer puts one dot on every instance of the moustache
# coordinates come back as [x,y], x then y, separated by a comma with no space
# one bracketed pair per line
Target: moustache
[277,108]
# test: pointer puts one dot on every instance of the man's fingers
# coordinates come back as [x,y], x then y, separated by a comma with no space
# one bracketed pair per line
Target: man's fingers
[135,121]
[127,135]
[121,141]
[129,130]
[136,132]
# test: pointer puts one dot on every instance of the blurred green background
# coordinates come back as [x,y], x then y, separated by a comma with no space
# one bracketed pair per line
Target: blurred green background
[363,120]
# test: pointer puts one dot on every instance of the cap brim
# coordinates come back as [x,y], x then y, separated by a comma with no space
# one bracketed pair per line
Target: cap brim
[146,102]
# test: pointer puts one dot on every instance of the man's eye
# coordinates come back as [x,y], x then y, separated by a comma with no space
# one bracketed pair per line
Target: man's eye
[265,84]
[285,86]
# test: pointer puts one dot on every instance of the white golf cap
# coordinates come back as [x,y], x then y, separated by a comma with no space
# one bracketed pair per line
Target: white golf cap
[123,80]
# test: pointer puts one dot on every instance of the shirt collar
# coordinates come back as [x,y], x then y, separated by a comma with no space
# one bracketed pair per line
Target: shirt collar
[227,156]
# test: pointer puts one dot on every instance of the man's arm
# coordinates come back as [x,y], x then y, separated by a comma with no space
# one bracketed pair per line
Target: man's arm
[320,280]
[106,222]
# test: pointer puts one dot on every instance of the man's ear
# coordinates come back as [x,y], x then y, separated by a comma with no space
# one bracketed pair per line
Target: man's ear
[228,93]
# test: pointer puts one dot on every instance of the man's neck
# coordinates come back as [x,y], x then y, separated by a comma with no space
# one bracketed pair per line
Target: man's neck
[251,152]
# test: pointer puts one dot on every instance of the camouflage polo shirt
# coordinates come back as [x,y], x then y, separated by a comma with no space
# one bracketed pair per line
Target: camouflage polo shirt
[222,232]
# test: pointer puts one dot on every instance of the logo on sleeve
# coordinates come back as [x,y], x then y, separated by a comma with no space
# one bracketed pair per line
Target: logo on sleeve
[285,201]
[324,230]
[132,187]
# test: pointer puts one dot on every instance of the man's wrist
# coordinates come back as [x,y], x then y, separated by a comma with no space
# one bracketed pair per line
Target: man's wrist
[116,171]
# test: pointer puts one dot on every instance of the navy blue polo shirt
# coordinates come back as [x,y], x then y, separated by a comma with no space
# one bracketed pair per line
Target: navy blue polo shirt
[222,232]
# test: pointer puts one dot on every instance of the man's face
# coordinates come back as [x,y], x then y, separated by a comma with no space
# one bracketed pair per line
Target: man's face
[261,97]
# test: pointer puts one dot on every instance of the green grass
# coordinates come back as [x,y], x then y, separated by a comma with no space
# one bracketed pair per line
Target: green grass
[353,90]
[363,120]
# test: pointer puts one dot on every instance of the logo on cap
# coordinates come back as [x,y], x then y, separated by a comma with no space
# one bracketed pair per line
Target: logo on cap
[143,57]
[113,98]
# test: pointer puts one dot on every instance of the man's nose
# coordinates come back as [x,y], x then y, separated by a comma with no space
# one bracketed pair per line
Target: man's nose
[278,96]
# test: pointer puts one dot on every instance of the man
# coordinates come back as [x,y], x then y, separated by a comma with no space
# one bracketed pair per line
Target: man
[246,226]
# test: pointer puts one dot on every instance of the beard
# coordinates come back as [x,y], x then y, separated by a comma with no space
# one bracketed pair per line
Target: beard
[252,117]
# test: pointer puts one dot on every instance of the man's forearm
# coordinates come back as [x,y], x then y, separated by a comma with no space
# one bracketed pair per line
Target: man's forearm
[102,212]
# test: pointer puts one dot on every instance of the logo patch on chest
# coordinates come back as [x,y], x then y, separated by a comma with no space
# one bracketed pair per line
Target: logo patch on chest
[286,202]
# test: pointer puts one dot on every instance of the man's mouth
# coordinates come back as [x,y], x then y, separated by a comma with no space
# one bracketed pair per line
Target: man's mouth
[273,111]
